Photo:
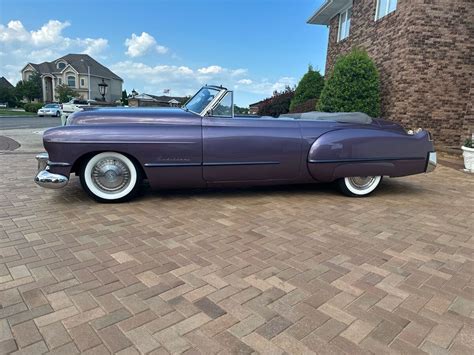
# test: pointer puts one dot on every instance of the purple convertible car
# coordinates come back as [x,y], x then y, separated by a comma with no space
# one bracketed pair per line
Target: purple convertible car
[205,144]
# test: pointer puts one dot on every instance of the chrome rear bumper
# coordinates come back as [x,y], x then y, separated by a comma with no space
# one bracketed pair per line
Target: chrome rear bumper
[432,162]
[46,179]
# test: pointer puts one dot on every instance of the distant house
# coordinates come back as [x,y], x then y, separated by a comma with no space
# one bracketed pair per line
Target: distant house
[253,108]
[80,72]
[5,84]
[424,53]
[140,100]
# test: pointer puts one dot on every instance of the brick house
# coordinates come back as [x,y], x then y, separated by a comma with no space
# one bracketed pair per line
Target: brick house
[424,53]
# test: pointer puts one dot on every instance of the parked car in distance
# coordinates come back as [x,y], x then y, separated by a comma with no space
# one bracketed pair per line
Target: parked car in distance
[75,105]
[3,105]
[53,110]
[72,106]
[205,144]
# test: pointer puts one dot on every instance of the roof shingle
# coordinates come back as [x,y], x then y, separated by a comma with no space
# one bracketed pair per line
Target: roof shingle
[79,62]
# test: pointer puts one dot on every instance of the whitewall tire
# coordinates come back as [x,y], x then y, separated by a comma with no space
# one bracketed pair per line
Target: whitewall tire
[359,186]
[110,177]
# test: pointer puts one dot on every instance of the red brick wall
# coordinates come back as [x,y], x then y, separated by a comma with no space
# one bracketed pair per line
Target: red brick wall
[424,53]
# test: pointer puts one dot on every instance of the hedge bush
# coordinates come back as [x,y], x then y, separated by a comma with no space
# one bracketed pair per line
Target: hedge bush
[309,88]
[278,104]
[33,107]
[306,106]
[353,86]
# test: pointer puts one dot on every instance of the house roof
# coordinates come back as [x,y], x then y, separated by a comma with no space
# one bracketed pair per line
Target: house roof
[327,11]
[4,83]
[258,103]
[79,62]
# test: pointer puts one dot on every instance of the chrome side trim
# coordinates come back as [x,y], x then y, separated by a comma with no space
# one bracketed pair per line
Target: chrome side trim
[51,181]
[117,142]
[361,160]
[230,163]
[432,162]
[170,165]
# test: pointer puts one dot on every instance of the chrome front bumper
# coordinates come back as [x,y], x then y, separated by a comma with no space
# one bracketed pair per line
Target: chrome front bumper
[46,179]
[432,162]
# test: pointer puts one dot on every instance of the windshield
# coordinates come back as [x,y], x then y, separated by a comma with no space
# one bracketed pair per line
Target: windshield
[200,101]
[52,106]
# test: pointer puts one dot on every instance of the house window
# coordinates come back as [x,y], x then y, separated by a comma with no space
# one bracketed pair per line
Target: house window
[61,65]
[71,81]
[344,24]
[83,82]
[384,7]
[60,81]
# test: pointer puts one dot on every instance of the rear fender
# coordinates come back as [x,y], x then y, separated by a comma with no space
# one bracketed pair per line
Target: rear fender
[368,152]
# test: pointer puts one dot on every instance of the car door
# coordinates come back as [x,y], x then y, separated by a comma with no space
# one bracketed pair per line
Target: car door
[239,148]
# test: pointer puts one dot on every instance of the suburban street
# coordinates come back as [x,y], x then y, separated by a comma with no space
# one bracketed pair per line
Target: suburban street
[19,122]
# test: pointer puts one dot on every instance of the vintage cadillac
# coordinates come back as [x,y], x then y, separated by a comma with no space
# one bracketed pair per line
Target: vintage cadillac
[204,144]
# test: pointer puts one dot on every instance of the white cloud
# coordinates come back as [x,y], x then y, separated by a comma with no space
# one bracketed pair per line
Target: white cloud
[239,72]
[213,69]
[20,46]
[49,33]
[140,45]
[183,80]
[14,31]
[93,46]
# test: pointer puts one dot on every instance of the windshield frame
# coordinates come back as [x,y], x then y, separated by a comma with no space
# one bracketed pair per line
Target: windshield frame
[214,101]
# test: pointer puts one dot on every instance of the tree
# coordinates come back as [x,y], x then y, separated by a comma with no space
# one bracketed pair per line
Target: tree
[124,99]
[7,95]
[30,89]
[309,88]
[64,93]
[353,86]
[241,110]
[278,104]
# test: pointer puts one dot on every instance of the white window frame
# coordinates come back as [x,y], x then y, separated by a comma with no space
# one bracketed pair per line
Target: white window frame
[344,13]
[83,82]
[75,80]
[387,9]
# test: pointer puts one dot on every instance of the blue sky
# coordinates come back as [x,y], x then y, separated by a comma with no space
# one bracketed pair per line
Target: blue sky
[252,46]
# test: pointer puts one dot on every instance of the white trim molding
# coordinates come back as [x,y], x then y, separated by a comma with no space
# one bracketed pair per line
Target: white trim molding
[327,11]
[390,6]
[344,26]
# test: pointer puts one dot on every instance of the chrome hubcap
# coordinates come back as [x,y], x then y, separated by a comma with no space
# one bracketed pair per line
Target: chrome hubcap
[111,175]
[362,182]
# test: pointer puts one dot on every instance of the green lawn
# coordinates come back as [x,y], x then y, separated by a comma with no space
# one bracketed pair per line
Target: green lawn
[7,112]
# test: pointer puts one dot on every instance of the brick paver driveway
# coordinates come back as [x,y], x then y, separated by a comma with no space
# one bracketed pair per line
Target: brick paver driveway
[291,269]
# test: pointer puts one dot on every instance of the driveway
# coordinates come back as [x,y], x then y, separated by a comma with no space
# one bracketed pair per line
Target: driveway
[270,270]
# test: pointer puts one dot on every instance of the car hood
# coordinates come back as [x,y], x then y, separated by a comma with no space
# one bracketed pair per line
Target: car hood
[128,116]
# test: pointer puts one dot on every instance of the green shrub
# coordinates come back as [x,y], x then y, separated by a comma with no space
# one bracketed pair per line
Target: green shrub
[469,143]
[309,88]
[33,107]
[352,86]
[278,104]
